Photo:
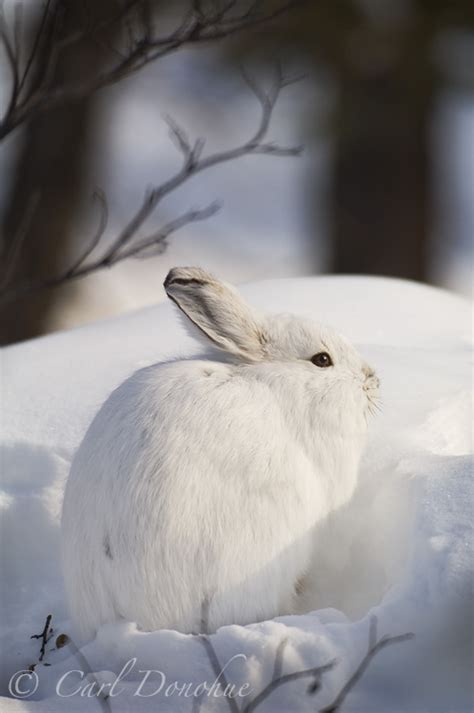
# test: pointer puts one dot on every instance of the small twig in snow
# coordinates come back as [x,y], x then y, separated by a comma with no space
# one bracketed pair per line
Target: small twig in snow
[374,648]
[45,636]
[279,679]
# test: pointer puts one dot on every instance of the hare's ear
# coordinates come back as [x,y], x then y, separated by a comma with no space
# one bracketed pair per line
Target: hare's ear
[218,310]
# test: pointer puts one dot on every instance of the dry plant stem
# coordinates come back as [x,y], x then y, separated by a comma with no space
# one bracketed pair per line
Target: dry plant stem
[278,679]
[126,245]
[315,673]
[218,670]
[374,648]
[45,636]
[206,642]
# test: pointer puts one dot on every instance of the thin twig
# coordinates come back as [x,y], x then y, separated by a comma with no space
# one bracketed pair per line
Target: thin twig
[279,679]
[180,138]
[373,649]
[36,43]
[158,239]
[193,164]
[278,665]
[45,636]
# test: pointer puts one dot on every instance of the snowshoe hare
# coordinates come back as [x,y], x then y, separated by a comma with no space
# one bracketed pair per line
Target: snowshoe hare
[200,480]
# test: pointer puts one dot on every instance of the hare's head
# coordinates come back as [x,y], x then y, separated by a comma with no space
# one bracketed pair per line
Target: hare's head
[308,365]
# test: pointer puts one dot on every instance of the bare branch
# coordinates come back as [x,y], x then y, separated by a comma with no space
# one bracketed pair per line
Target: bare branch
[45,636]
[64,640]
[197,9]
[36,42]
[218,669]
[193,165]
[157,240]
[261,95]
[197,26]
[204,623]
[219,672]
[268,100]
[279,679]
[372,632]
[178,135]
[373,649]
[146,20]
[125,245]
[222,11]
[278,665]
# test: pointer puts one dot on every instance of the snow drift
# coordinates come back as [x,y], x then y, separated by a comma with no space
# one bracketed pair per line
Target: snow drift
[400,550]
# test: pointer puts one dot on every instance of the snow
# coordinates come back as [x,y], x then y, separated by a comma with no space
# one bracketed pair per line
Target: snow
[400,550]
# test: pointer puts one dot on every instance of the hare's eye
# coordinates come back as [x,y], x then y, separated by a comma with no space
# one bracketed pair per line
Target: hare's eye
[322,360]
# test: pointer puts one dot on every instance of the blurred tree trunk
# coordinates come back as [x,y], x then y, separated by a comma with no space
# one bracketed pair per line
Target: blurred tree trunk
[385,81]
[51,160]
[381,188]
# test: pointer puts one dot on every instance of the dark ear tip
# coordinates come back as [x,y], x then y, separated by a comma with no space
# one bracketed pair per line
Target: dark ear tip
[185,276]
[168,279]
[174,277]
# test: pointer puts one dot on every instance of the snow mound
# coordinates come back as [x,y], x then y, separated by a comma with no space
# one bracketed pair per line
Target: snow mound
[401,550]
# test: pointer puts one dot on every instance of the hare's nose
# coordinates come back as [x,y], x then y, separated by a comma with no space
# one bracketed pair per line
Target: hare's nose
[368,371]
[371,379]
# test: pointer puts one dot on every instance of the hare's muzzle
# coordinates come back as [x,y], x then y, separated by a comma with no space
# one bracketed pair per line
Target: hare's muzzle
[371,382]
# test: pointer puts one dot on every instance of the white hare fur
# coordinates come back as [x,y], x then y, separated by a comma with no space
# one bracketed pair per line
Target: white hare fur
[200,481]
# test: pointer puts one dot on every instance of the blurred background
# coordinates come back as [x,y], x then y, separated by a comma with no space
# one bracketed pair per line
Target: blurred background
[384,108]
